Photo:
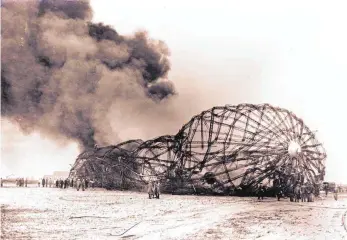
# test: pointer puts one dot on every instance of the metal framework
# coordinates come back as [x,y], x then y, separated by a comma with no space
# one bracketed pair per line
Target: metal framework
[228,147]
[110,167]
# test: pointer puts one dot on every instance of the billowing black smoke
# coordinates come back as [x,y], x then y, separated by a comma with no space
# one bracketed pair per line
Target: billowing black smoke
[61,73]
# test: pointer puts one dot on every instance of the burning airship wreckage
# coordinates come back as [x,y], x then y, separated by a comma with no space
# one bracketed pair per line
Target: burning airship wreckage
[221,150]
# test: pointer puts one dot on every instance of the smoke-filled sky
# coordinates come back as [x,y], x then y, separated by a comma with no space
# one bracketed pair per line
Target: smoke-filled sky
[290,54]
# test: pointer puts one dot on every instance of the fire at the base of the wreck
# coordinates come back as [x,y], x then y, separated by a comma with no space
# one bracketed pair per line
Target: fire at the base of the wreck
[153,189]
[227,150]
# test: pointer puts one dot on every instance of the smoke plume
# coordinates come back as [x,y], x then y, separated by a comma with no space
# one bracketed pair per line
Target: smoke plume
[61,74]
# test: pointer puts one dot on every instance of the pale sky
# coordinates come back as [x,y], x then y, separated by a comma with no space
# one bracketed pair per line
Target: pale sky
[287,53]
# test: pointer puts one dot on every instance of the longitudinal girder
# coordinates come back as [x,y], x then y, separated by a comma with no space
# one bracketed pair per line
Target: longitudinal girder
[231,146]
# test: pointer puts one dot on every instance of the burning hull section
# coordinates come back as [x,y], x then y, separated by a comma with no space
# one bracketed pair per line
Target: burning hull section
[223,150]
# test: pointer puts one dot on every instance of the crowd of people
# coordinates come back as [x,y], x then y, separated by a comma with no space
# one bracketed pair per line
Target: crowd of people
[78,183]
[21,182]
[296,188]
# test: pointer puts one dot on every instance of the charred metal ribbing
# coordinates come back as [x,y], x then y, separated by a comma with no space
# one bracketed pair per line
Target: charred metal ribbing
[221,149]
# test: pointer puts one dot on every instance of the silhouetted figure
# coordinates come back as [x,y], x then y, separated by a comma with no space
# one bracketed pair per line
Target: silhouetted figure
[43,182]
[157,189]
[61,183]
[335,193]
[326,189]
[26,182]
[83,184]
[150,189]
[71,182]
[87,183]
[261,191]
[1,183]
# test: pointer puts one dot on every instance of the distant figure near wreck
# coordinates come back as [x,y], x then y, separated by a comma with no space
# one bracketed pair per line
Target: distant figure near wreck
[65,183]
[335,193]
[87,183]
[83,184]
[326,188]
[261,191]
[80,184]
[153,189]
[50,181]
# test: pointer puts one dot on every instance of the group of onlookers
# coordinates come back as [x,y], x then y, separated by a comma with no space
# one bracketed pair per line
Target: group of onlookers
[153,189]
[77,183]
[49,182]
[21,182]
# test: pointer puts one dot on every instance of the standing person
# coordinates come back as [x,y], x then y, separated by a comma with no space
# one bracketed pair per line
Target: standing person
[87,183]
[335,193]
[26,182]
[1,184]
[83,184]
[326,188]
[150,189]
[43,182]
[78,184]
[157,189]
[71,183]
[261,191]
[56,183]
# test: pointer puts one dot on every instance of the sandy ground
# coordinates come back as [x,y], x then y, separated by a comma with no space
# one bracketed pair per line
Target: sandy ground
[49,213]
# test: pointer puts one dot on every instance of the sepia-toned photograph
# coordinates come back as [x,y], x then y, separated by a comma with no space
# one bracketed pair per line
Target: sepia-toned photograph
[186,120]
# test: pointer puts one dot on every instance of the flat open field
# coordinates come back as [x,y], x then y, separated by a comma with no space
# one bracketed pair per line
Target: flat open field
[50,213]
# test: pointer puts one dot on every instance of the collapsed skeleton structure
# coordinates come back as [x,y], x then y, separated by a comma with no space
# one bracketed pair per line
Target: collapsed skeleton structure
[221,150]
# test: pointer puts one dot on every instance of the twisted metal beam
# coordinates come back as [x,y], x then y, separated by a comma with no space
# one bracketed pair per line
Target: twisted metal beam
[228,147]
